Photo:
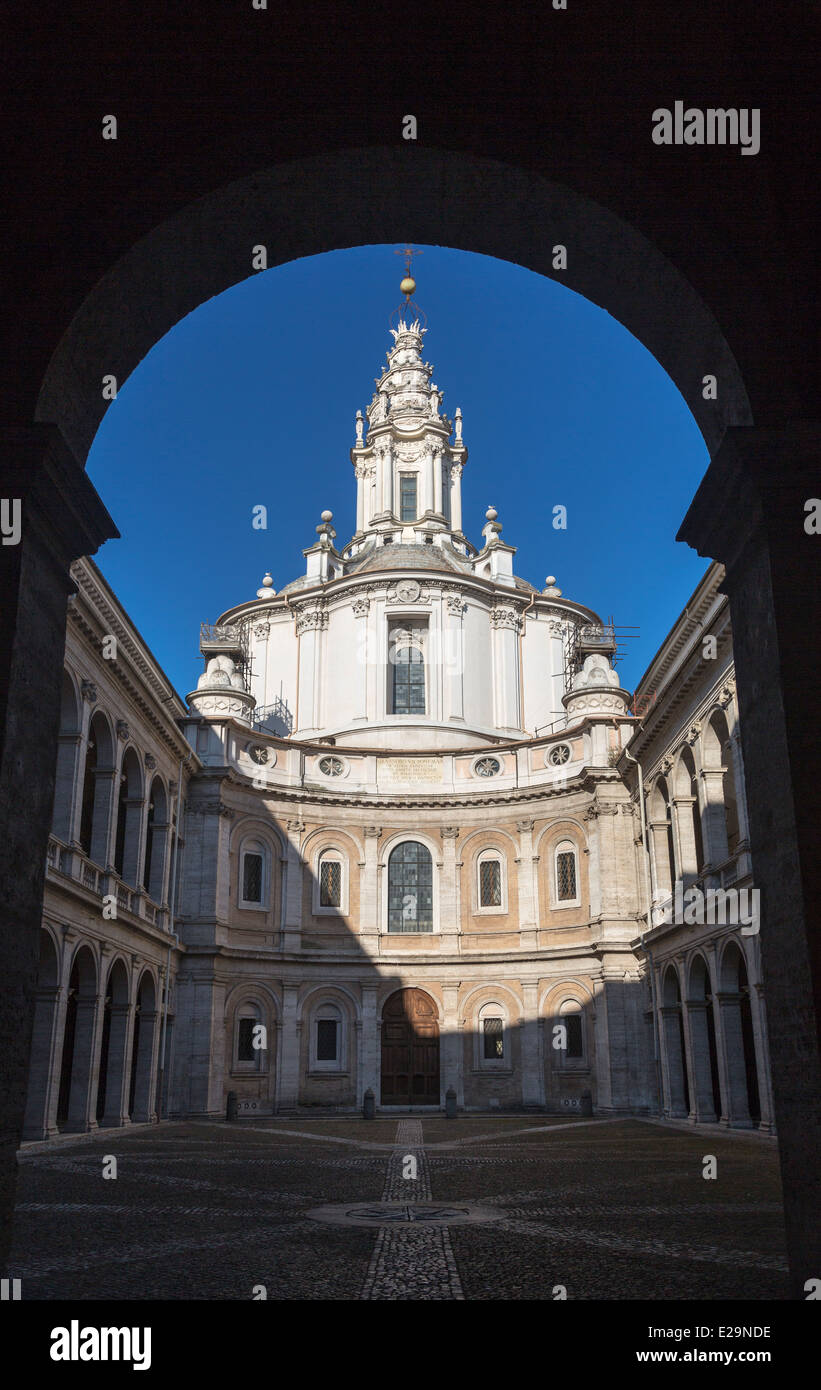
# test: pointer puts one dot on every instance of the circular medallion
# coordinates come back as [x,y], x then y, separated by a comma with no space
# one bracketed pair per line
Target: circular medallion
[259,753]
[331,767]
[408,590]
[403,1214]
[487,767]
[559,755]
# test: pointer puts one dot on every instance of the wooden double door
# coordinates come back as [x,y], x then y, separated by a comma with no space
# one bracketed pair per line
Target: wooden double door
[410,1049]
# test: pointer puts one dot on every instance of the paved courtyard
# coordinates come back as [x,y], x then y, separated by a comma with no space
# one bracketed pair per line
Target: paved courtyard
[474,1208]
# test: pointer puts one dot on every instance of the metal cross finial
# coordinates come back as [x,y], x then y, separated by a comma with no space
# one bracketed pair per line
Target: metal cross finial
[408,252]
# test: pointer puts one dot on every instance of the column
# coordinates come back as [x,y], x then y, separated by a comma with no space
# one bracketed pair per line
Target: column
[368,1075]
[360,498]
[702,1108]
[65,798]
[160,856]
[685,836]
[437,481]
[531,1062]
[454,655]
[290,1048]
[744,858]
[103,822]
[715,824]
[451,1045]
[292,926]
[663,870]
[361,608]
[426,479]
[43,1049]
[61,518]
[369,893]
[525,865]
[730,1042]
[758,1010]
[449,926]
[82,1100]
[145,1106]
[456,496]
[119,1069]
[387,485]
[311,623]
[673,1062]
[505,649]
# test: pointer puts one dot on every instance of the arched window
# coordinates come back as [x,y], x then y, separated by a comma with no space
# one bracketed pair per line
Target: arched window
[407,670]
[493,1036]
[566,874]
[491,888]
[250,1038]
[410,888]
[253,874]
[327,1039]
[331,883]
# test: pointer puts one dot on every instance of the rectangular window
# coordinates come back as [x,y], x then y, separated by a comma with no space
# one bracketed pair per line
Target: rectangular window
[408,681]
[330,883]
[245,1043]
[494,1039]
[407,497]
[566,875]
[573,1024]
[490,883]
[252,878]
[326,1040]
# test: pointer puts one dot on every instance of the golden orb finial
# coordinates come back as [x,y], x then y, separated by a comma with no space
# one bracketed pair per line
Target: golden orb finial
[408,286]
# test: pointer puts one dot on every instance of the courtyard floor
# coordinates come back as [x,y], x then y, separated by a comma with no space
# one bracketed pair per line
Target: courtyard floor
[606,1209]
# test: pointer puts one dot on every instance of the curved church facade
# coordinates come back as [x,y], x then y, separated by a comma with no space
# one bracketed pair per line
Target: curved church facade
[409,855]
[409,842]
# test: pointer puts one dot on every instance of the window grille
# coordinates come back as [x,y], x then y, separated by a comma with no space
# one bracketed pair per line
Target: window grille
[494,1039]
[410,889]
[245,1042]
[490,883]
[566,875]
[330,883]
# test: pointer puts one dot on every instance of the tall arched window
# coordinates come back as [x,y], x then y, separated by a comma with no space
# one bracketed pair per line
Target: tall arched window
[566,874]
[493,1040]
[407,671]
[331,883]
[410,888]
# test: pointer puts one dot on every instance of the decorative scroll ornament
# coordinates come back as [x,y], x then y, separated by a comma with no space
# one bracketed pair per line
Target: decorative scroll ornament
[694,732]
[123,730]
[505,618]
[454,602]
[314,619]
[262,629]
[360,607]
[89,690]
[727,693]
[150,761]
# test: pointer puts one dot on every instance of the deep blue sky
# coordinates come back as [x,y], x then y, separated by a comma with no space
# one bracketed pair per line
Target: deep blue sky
[252,398]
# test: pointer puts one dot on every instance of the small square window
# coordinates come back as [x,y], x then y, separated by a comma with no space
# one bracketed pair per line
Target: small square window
[252,878]
[245,1043]
[494,1039]
[490,883]
[326,1040]
[330,883]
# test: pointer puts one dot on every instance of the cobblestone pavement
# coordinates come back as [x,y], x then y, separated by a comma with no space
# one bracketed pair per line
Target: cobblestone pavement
[603,1209]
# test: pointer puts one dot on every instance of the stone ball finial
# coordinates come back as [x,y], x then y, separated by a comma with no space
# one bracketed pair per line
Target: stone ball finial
[550,580]
[491,513]
[408,285]
[267,589]
[327,516]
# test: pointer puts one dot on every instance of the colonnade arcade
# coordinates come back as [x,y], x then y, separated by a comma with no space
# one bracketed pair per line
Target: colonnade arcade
[96,1038]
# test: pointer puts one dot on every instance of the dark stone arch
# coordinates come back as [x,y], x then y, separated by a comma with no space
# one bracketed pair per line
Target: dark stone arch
[446,198]
[77,1096]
